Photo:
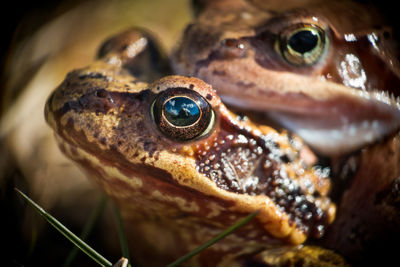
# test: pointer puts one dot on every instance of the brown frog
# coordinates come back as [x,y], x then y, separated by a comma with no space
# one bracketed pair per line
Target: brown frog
[338,58]
[182,166]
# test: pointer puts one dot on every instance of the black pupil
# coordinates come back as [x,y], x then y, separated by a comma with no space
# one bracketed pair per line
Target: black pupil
[303,41]
[181,111]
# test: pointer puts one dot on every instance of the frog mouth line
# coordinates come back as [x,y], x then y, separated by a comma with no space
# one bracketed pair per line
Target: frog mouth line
[333,117]
[374,118]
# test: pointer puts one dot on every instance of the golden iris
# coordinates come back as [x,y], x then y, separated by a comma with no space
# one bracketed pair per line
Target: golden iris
[302,45]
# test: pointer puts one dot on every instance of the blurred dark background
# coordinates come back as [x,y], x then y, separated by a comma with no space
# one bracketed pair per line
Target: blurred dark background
[21,18]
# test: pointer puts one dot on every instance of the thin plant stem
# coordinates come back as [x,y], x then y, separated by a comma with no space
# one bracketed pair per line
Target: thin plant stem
[121,233]
[213,240]
[94,217]
[67,233]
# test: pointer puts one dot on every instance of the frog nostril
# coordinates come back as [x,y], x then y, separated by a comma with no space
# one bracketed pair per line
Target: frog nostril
[232,48]
[101,93]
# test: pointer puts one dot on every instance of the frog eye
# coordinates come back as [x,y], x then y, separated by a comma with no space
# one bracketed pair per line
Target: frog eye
[302,45]
[182,114]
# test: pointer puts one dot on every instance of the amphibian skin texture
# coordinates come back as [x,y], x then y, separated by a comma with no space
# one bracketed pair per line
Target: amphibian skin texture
[187,156]
[322,75]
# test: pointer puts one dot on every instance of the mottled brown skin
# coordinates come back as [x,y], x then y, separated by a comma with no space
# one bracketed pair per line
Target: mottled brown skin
[349,95]
[176,195]
[366,229]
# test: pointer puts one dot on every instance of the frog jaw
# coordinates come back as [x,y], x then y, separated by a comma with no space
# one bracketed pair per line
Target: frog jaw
[337,140]
[333,119]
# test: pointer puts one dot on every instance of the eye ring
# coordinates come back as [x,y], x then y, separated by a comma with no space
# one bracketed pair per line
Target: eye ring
[182,114]
[302,44]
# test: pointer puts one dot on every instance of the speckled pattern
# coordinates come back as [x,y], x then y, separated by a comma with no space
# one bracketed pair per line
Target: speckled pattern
[236,46]
[178,186]
[102,118]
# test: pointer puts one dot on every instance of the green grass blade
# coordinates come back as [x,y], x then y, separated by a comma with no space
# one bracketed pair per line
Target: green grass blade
[94,217]
[121,233]
[67,233]
[213,240]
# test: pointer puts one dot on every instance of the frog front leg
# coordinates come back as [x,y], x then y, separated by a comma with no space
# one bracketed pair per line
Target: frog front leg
[137,51]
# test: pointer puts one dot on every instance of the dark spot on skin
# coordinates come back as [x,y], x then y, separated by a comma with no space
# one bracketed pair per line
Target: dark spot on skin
[158,88]
[103,140]
[83,101]
[181,215]
[219,72]
[71,121]
[62,148]
[149,147]
[285,159]
[209,97]
[146,145]
[191,86]
[92,76]
[143,159]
